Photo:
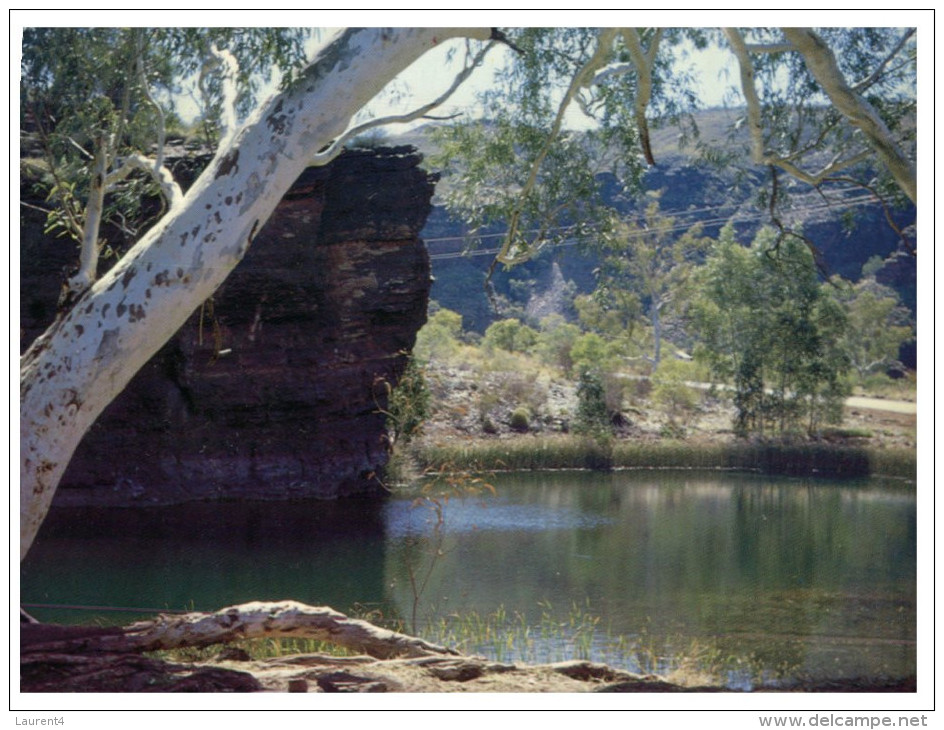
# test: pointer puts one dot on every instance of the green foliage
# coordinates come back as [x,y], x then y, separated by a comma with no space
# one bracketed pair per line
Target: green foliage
[878,325]
[112,91]
[609,312]
[510,335]
[408,404]
[643,269]
[515,169]
[767,324]
[670,390]
[439,337]
[521,419]
[555,342]
[590,351]
[593,415]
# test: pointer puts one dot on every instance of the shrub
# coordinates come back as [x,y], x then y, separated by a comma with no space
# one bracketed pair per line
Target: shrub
[510,335]
[669,390]
[408,404]
[592,413]
[588,352]
[439,337]
[555,342]
[520,419]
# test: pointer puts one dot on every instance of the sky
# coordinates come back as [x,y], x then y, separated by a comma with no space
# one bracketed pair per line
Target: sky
[431,74]
[710,65]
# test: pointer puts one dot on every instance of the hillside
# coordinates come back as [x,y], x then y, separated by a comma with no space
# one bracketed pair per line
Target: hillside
[847,224]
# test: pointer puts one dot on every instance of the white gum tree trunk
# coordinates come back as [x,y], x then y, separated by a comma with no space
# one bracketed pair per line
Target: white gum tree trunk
[85,359]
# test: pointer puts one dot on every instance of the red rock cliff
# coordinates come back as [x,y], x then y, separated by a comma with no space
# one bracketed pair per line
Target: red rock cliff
[271,390]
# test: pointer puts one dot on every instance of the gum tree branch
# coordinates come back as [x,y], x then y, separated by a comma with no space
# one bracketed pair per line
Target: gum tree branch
[229,70]
[161,175]
[643,60]
[759,154]
[323,158]
[755,123]
[79,282]
[822,64]
[288,619]
[581,79]
[876,74]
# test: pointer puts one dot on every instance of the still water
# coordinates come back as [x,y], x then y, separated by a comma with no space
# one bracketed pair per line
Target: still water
[782,577]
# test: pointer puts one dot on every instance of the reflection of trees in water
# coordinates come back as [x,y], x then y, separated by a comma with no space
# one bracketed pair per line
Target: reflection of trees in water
[737,557]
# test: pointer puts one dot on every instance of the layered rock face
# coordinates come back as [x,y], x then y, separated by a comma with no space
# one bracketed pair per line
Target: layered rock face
[273,389]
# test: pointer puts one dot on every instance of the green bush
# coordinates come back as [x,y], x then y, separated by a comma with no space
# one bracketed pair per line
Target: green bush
[555,342]
[593,416]
[510,335]
[589,352]
[408,404]
[440,336]
[669,390]
[520,419]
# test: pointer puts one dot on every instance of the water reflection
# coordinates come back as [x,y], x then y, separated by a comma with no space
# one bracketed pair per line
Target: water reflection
[205,556]
[811,577]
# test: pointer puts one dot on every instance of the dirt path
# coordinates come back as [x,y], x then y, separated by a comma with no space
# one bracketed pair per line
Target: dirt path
[856,401]
[882,404]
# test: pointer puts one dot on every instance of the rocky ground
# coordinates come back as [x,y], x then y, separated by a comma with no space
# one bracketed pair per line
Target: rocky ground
[232,670]
[468,403]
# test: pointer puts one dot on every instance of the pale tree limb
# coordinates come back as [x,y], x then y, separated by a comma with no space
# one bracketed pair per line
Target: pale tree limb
[102,181]
[817,178]
[77,367]
[161,175]
[610,71]
[876,74]
[226,61]
[79,282]
[581,79]
[643,60]
[323,158]
[822,64]
[282,619]
[769,47]
[759,154]
[755,124]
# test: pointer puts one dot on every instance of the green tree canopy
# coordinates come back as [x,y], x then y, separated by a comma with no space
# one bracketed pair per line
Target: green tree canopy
[769,326]
[878,325]
[97,102]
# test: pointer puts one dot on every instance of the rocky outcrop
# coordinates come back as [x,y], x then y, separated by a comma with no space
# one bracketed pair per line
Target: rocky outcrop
[273,388]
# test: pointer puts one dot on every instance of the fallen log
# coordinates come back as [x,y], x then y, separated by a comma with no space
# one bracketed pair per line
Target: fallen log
[245,621]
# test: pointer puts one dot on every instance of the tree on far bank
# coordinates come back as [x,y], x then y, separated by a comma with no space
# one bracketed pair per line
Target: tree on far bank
[653,258]
[878,325]
[767,325]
